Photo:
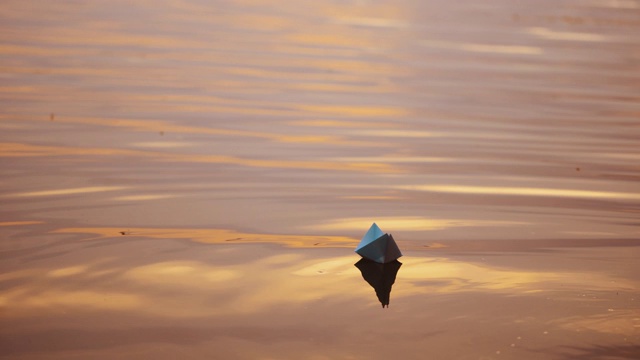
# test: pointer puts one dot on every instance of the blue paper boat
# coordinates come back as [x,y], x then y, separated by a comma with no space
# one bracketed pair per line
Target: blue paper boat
[378,246]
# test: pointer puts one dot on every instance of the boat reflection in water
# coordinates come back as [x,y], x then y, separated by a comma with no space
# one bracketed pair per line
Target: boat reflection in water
[380,276]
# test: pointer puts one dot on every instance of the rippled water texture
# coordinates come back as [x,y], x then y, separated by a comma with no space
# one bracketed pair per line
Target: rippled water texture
[188,178]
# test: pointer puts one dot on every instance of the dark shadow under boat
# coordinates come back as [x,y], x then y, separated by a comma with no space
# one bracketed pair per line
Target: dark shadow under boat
[380,276]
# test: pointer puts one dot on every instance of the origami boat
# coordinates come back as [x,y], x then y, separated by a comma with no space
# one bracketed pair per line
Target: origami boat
[378,246]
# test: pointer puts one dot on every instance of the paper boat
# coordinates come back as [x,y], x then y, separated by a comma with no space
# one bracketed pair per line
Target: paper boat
[378,246]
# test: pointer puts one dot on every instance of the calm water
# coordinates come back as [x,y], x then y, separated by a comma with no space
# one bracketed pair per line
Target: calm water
[187,179]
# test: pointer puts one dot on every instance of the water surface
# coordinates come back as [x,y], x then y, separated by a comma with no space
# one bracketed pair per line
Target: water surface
[189,178]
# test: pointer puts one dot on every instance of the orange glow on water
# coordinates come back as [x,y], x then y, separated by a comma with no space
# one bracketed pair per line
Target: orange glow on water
[25,150]
[217,236]
[525,191]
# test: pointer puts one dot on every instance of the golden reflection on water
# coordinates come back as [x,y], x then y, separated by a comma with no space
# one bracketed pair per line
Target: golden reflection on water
[353,111]
[258,285]
[525,191]
[50,299]
[410,223]
[261,287]
[167,127]
[484,48]
[217,236]
[147,197]
[344,124]
[26,150]
[567,36]
[71,191]
[459,276]
[19,223]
